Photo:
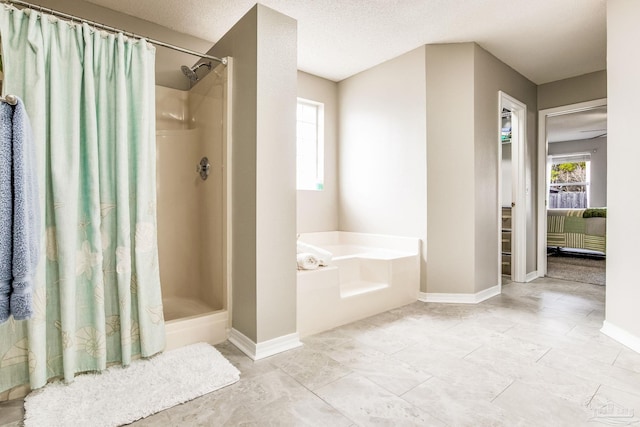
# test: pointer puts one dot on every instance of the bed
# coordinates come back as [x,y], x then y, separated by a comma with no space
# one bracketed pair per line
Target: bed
[583,229]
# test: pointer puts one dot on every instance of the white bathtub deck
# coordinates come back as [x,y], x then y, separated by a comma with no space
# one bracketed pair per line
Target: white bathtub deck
[359,287]
[369,274]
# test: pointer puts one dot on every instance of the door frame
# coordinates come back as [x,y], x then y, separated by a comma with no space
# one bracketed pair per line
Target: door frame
[519,187]
[543,184]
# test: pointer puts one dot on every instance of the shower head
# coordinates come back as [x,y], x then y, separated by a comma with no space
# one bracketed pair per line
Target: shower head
[190,72]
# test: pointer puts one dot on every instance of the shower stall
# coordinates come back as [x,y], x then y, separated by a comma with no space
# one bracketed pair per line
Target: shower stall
[193,172]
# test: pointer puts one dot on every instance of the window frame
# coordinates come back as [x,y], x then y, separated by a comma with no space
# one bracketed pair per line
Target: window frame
[318,184]
[572,158]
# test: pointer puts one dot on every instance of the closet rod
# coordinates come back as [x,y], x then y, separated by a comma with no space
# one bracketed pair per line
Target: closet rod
[113,29]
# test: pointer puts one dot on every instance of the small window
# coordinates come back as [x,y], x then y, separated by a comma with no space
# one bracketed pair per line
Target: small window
[310,145]
[569,181]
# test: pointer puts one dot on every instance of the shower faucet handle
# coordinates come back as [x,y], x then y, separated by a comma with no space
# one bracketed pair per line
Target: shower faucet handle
[203,168]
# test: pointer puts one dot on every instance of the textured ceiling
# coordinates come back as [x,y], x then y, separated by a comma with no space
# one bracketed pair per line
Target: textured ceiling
[545,40]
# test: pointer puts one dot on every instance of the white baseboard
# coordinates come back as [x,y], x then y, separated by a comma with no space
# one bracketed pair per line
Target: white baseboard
[531,276]
[244,344]
[460,298]
[620,335]
[264,349]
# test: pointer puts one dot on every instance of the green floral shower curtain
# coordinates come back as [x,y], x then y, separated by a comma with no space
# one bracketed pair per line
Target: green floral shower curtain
[91,100]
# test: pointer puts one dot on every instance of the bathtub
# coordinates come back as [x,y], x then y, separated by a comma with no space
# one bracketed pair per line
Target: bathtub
[369,274]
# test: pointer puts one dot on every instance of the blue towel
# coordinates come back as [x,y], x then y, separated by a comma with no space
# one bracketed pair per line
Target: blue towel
[6,208]
[19,213]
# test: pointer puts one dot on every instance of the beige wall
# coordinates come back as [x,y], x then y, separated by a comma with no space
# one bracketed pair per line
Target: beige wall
[382,149]
[276,174]
[450,169]
[463,81]
[492,76]
[168,61]
[573,90]
[623,251]
[318,210]
[263,46]
[241,43]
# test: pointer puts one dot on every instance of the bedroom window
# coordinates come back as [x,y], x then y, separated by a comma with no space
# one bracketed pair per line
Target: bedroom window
[569,181]
[310,145]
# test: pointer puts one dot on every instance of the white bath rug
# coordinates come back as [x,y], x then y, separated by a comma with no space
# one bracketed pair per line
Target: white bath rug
[120,396]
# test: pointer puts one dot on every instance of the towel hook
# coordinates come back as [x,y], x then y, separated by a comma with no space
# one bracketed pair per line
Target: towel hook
[10,99]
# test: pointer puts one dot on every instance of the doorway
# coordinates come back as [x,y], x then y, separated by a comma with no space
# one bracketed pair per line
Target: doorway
[512,200]
[572,177]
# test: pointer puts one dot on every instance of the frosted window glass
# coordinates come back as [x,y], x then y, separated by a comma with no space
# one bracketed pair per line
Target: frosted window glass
[310,145]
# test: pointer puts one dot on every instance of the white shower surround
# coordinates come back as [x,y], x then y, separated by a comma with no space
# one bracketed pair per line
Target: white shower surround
[194,265]
[369,274]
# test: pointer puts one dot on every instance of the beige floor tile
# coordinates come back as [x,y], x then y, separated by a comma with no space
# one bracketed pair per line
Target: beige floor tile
[417,329]
[596,317]
[204,410]
[473,380]
[156,420]
[535,375]
[311,368]
[388,318]
[456,407]
[246,366]
[11,411]
[326,340]
[605,351]
[436,348]
[542,407]
[601,353]
[540,335]
[494,322]
[262,400]
[559,383]
[582,366]
[506,363]
[615,407]
[366,403]
[387,371]
[591,335]
[629,360]
[204,417]
[533,355]
[383,340]
[302,411]
[513,344]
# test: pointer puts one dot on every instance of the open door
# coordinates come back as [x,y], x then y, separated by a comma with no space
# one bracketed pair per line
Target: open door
[544,166]
[512,200]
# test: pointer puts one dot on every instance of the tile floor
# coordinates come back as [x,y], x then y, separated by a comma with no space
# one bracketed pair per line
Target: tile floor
[532,356]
